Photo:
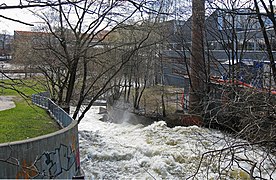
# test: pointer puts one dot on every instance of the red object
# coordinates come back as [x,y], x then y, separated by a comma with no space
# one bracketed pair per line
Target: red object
[243,84]
[191,120]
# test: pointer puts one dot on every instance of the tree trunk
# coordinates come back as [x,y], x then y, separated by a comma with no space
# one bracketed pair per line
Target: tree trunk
[71,85]
[267,42]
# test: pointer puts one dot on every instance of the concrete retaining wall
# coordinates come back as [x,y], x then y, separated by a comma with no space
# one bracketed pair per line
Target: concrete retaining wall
[55,155]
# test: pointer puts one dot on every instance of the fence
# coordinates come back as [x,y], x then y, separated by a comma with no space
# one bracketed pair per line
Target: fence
[51,156]
[42,100]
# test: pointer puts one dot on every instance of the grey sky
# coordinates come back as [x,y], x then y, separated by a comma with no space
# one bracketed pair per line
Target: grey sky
[22,15]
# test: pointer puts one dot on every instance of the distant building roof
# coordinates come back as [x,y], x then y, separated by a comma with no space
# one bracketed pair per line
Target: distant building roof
[28,33]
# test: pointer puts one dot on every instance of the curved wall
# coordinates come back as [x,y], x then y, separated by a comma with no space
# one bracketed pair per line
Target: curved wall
[55,155]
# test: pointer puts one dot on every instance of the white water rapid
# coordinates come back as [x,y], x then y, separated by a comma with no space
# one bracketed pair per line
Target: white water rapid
[126,151]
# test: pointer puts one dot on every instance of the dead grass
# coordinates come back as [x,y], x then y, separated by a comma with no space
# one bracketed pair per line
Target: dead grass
[151,101]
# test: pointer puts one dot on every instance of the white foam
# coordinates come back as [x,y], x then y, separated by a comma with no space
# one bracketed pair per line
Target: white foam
[126,151]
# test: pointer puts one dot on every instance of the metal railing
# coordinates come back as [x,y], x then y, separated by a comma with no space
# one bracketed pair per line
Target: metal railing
[43,100]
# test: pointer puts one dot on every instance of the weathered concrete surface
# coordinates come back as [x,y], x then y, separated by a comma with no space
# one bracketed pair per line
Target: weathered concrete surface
[6,102]
[53,156]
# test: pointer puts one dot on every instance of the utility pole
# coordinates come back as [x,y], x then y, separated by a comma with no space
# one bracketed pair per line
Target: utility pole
[197,61]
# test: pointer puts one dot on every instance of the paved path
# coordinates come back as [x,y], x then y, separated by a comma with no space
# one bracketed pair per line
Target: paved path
[6,103]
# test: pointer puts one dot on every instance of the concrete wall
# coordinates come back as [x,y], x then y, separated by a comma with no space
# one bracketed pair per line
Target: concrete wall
[55,155]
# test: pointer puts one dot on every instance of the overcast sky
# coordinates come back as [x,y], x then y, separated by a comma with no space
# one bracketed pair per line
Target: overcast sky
[20,14]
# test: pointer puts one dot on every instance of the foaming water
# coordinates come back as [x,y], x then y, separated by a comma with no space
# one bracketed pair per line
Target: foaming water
[126,151]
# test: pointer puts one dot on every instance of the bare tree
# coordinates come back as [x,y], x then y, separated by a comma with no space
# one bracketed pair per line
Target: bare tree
[76,41]
[27,4]
[269,14]
[240,99]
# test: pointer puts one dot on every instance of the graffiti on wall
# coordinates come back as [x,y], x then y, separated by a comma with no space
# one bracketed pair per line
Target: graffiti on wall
[50,164]
[27,171]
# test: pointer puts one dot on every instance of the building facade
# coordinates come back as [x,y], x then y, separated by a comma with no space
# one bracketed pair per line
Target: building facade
[234,48]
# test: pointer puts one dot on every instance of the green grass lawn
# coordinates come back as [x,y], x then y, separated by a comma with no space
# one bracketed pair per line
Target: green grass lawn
[25,120]
[25,87]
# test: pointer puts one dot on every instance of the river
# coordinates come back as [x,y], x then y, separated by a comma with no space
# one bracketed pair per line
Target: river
[127,151]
